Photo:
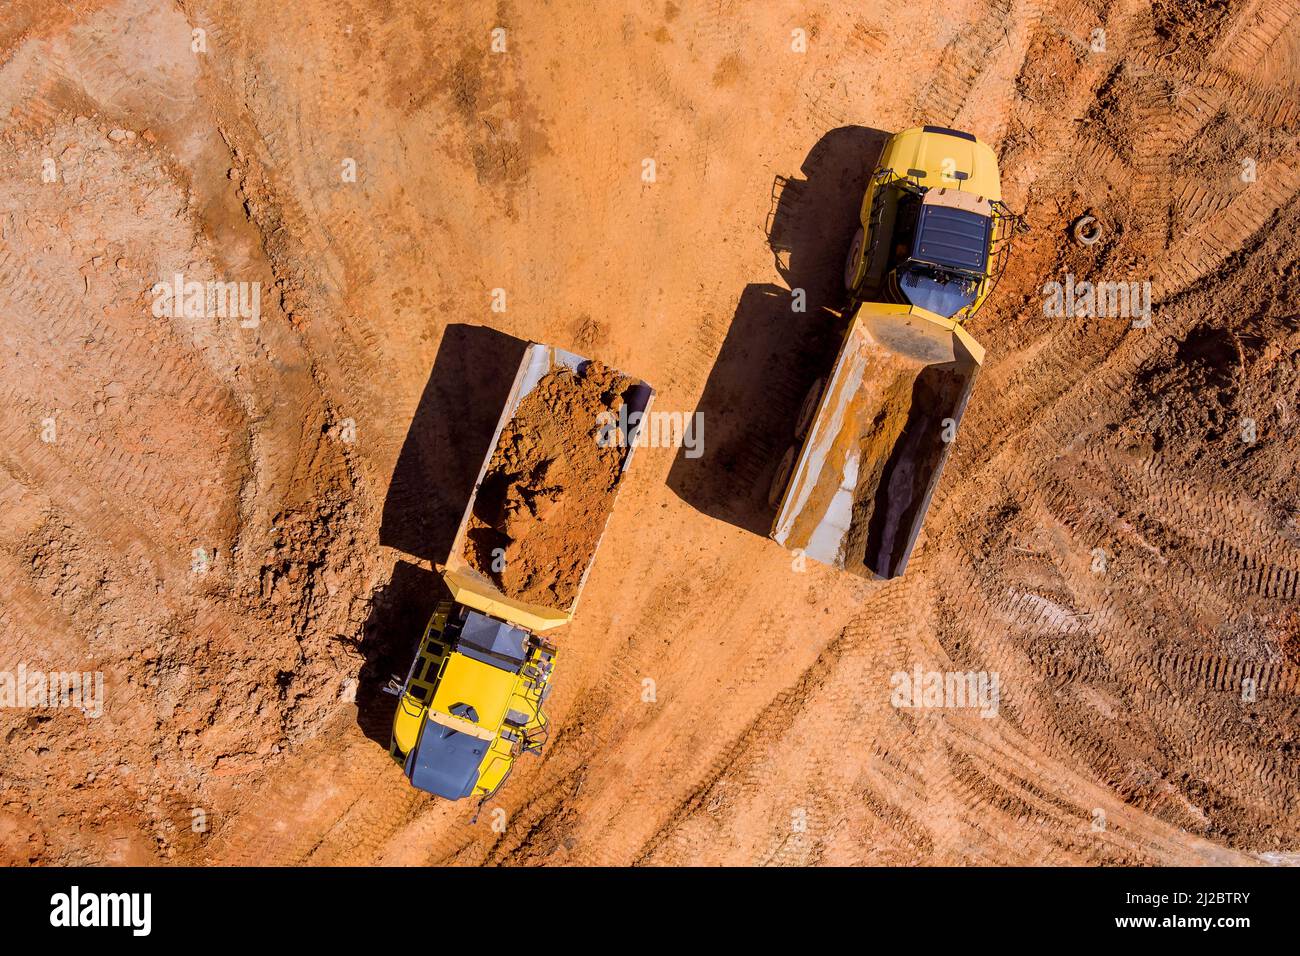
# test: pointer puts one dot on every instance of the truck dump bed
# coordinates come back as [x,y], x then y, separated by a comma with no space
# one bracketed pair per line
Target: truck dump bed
[862,482]
[469,584]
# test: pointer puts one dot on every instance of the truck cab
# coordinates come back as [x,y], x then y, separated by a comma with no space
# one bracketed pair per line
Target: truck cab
[471,703]
[871,441]
[934,231]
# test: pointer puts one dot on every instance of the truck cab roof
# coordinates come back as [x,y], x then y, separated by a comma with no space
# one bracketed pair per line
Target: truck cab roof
[953,231]
[940,247]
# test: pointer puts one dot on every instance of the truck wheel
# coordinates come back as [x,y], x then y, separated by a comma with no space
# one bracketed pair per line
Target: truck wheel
[851,263]
[782,477]
[808,410]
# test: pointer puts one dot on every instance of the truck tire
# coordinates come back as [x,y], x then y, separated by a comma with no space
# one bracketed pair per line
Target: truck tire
[851,263]
[808,410]
[776,491]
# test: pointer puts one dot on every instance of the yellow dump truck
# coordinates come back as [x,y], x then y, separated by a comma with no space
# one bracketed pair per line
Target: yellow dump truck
[471,703]
[473,699]
[872,438]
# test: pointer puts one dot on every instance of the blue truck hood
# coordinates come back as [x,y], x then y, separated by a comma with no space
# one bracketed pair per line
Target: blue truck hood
[445,762]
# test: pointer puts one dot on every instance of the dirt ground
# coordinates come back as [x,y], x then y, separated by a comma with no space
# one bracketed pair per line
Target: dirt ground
[237,523]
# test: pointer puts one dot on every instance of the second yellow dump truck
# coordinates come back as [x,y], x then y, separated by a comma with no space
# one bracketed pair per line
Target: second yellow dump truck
[473,699]
[873,437]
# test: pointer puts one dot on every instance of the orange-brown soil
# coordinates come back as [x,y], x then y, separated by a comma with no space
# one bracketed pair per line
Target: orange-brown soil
[235,525]
[549,488]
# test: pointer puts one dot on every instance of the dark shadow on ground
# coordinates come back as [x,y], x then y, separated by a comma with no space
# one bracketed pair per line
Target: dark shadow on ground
[448,439]
[772,354]
[398,615]
[445,446]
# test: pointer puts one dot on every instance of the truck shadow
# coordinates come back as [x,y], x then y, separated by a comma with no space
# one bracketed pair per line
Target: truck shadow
[774,353]
[448,439]
[398,615]
[434,476]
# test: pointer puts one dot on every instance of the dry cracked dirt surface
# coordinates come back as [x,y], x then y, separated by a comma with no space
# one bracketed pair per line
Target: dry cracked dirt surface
[238,523]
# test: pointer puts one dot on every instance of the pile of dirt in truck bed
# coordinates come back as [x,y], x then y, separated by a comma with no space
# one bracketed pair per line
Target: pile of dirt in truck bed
[549,487]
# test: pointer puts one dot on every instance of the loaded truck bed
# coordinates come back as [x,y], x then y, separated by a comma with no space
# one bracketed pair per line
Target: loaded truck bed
[545,492]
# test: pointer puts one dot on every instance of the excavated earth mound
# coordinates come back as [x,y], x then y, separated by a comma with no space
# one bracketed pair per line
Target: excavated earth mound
[549,488]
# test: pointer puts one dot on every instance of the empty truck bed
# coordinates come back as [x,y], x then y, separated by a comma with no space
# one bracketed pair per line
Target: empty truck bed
[863,479]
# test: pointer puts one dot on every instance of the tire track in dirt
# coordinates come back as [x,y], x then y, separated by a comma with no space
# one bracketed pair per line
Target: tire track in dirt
[779,747]
[1248,48]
